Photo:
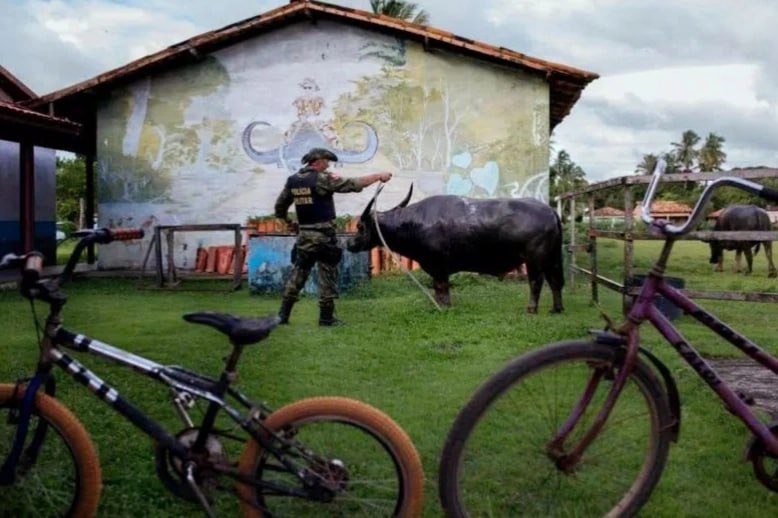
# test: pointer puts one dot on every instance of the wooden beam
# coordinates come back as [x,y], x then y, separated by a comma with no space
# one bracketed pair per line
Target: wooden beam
[27,195]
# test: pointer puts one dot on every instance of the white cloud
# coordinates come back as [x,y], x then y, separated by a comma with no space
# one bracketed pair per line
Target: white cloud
[666,65]
[622,117]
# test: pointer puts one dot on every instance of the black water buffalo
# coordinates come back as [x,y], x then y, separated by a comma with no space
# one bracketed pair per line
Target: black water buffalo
[449,234]
[742,217]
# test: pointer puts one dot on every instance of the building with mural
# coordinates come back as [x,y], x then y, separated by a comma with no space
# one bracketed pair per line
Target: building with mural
[208,130]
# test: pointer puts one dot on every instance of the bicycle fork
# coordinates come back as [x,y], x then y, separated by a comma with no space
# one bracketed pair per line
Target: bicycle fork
[555,449]
[11,462]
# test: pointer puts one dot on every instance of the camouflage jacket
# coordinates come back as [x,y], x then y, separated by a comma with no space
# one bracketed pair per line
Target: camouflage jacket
[326,183]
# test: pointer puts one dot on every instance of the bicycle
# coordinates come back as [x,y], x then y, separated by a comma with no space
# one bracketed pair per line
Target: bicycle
[285,462]
[589,422]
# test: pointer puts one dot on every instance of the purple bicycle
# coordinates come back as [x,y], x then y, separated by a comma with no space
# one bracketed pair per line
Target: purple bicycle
[589,422]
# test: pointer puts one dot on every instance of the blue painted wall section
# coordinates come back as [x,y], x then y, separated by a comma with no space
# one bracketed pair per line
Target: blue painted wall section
[269,262]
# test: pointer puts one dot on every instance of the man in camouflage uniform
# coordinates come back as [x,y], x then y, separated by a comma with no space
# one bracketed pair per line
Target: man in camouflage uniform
[311,190]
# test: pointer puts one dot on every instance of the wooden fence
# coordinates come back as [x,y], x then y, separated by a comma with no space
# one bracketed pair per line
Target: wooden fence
[629,235]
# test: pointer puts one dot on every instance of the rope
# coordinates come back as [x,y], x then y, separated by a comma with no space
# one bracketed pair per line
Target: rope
[395,256]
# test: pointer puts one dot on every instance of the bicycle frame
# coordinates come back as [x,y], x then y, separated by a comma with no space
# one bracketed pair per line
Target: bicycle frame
[643,309]
[179,379]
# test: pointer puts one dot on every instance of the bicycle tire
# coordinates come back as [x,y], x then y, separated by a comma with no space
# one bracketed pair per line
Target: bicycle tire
[392,441]
[69,443]
[527,482]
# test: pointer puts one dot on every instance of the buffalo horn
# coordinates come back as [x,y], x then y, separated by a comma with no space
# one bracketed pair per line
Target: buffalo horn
[406,200]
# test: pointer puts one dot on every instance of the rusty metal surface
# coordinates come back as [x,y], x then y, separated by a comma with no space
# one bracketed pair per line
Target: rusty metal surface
[13,87]
[13,113]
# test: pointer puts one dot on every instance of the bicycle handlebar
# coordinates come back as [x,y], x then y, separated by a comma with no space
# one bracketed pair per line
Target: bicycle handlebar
[677,230]
[32,262]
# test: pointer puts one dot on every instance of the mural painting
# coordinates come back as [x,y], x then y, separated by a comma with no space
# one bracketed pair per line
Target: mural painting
[213,142]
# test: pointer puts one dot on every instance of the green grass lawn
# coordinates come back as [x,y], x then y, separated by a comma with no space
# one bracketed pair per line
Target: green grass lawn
[403,356]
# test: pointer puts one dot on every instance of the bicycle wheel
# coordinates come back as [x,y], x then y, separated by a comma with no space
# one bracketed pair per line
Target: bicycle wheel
[64,478]
[497,462]
[361,462]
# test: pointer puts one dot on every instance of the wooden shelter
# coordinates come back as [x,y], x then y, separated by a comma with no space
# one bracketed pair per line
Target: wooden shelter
[28,129]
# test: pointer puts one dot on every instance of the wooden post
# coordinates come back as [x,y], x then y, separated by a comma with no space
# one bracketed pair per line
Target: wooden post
[90,203]
[158,255]
[629,251]
[571,248]
[238,256]
[171,256]
[593,249]
[27,196]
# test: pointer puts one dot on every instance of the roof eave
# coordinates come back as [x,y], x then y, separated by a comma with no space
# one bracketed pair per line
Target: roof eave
[565,83]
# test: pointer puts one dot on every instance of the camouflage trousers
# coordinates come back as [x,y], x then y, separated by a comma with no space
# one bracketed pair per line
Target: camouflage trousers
[311,248]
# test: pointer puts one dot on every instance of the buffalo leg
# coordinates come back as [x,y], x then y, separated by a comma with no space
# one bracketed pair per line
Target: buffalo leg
[738,260]
[555,276]
[749,259]
[768,252]
[535,277]
[720,264]
[442,294]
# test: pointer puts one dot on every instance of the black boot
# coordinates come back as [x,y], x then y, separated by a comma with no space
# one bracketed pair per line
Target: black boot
[286,310]
[326,315]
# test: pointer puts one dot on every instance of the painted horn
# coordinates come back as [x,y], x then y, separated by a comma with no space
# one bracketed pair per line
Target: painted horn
[263,157]
[355,157]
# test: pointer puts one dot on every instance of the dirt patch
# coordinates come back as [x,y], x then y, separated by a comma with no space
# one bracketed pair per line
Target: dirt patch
[752,379]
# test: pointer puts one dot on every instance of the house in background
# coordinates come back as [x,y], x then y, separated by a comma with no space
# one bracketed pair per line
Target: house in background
[608,217]
[672,211]
[208,130]
[27,170]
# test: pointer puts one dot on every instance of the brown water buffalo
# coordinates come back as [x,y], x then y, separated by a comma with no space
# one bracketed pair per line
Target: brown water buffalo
[449,234]
[742,217]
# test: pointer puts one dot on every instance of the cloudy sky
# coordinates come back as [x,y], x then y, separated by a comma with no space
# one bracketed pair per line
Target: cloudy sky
[666,65]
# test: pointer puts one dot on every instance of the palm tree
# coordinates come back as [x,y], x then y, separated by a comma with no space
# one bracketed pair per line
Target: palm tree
[647,165]
[711,155]
[565,175]
[400,9]
[685,151]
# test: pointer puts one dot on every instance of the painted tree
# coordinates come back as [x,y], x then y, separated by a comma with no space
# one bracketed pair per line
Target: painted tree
[400,9]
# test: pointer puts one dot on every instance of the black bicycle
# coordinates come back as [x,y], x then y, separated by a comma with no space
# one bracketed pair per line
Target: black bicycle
[315,457]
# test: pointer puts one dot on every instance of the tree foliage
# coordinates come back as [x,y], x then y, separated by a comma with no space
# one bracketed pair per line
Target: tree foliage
[71,187]
[400,9]
[686,156]
[565,175]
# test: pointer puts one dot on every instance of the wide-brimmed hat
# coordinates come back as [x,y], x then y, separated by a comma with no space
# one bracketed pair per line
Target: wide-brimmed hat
[318,153]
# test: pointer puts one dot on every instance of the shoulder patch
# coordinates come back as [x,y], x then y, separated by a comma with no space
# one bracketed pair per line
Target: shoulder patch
[334,176]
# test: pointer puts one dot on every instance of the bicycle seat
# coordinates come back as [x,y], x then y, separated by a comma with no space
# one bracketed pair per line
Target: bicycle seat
[241,330]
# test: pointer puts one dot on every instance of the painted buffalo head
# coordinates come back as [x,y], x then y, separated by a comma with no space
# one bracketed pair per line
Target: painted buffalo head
[367,237]
[305,137]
